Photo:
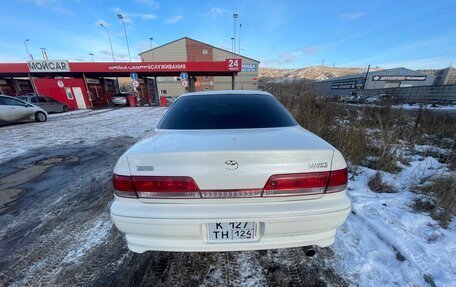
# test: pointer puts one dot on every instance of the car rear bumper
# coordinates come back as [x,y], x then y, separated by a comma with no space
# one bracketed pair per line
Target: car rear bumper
[183,227]
[119,102]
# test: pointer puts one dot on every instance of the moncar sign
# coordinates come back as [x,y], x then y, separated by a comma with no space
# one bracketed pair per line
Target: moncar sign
[48,66]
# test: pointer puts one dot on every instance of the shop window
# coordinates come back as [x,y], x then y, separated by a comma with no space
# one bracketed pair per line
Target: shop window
[206,77]
[69,93]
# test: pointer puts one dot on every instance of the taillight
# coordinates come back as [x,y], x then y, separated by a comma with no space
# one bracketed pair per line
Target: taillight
[338,180]
[165,187]
[185,187]
[296,184]
[123,186]
[155,186]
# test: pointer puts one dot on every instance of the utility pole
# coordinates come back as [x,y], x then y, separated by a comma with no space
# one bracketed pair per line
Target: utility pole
[91,55]
[365,77]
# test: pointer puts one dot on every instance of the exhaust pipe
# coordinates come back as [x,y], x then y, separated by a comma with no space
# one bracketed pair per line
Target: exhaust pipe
[309,251]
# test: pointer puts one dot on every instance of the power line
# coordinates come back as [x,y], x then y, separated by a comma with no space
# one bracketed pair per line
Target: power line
[390,26]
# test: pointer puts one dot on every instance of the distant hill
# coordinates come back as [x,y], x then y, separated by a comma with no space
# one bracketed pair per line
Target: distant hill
[317,73]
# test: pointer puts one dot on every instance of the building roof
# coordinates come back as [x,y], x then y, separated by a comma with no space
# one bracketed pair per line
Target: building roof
[185,38]
[388,72]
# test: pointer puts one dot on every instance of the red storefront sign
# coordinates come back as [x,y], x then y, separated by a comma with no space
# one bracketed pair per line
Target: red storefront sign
[233,65]
[230,65]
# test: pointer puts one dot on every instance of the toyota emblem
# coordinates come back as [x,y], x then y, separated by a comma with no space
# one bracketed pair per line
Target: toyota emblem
[231,165]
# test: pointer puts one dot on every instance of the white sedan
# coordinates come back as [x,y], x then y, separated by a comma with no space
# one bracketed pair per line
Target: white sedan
[229,171]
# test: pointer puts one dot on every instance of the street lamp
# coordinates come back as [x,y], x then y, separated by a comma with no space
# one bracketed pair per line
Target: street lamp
[151,48]
[110,44]
[26,48]
[235,16]
[43,52]
[232,47]
[125,30]
[240,27]
[91,55]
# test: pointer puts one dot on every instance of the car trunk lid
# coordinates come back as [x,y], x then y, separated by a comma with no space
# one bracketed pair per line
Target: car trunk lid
[230,159]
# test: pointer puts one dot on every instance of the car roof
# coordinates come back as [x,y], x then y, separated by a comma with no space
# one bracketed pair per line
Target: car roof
[226,92]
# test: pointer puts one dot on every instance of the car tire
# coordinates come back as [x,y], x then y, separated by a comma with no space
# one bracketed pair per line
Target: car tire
[40,117]
[65,109]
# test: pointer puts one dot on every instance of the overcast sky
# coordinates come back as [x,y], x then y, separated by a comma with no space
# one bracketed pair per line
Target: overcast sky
[283,34]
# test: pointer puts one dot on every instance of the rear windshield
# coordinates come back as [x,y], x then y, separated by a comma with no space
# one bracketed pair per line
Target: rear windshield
[226,112]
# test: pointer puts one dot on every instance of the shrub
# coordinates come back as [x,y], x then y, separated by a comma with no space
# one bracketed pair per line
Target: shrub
[440,201]
[376,184]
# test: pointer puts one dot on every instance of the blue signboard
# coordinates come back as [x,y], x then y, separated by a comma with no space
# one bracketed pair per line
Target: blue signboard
[183,76]
[133,76]
[249,67]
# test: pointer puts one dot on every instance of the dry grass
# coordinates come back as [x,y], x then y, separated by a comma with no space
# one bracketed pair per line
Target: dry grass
[442,202]
[376,184]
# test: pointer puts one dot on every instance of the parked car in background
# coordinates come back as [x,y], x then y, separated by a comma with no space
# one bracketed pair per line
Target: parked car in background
[120,99]
[15,110]
[170,100]
[372,100]
[227,171]
[46,103]
[353,99]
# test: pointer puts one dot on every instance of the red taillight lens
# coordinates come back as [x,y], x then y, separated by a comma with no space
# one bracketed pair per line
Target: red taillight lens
[338,180]
[123,186]
[296,184]
[165,187]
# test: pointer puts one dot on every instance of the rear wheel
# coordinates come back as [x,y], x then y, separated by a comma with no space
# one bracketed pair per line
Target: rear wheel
[65,109]
[40,117]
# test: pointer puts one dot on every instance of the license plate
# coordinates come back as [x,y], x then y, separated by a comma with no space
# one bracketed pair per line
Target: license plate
[231,231]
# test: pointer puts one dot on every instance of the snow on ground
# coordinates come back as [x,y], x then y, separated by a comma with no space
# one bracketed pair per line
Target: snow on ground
[385,242]
[77,127]
[426,106]
[88,239]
